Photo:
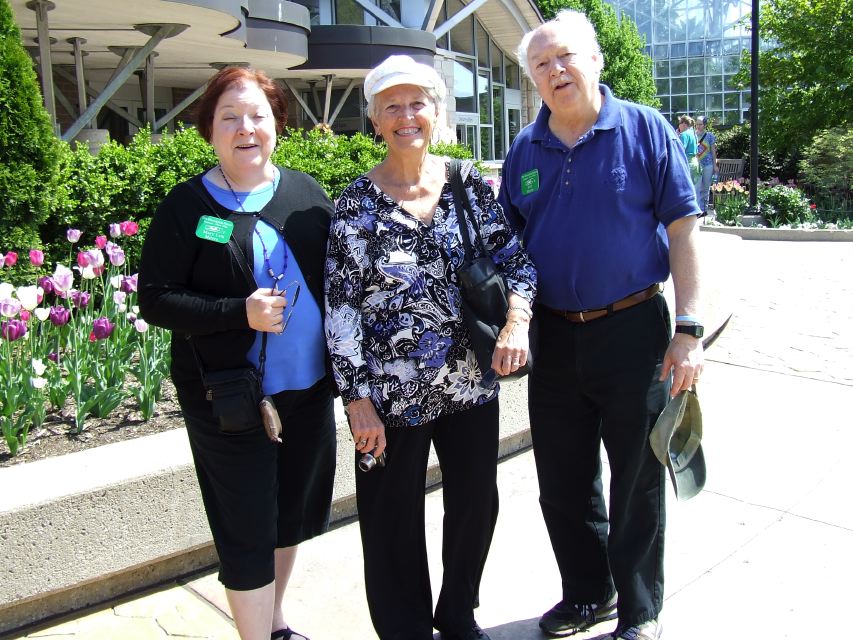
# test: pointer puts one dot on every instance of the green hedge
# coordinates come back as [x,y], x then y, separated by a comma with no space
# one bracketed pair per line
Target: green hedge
[127,183]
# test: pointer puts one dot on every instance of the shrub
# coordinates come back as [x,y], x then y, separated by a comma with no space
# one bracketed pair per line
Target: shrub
[781,204]
[28,146]
[734,143]
[827,164]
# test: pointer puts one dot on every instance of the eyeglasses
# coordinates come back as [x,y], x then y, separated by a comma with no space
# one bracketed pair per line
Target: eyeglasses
[291,295]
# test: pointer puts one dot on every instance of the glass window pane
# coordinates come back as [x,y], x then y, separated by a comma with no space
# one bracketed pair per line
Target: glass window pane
[697,85]
[678,20]
[463,86]
[679,67]
[731,64]
[732,101]
[348,12]
[665,104]
[661,51]
[661,28]
[714,83]
[731,46]
[679,85]
[486,144]
[662,69]
[513,80]
[462,35]
[513,120]
[484,99]
[482,46]
[731,85]
[679,104]
[662,85]
[696,67]
[498,119]
[696,48]
[714,102]
[497,64]
[697,104]
[713,66]
[712,47]
[678,50]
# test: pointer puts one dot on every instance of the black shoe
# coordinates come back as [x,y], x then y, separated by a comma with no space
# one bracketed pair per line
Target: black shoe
[566,618]
[474,633]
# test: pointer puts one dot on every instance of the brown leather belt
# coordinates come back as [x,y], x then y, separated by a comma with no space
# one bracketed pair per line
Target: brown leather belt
[594,314]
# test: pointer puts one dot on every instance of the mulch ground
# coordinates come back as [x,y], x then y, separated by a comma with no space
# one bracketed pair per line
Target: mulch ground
[55,437]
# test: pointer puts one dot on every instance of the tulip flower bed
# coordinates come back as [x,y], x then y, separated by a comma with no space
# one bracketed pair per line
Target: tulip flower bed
[72,345]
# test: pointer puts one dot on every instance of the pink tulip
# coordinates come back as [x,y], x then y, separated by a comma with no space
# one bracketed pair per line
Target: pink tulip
[101,242]
[129,228]
[25,315]
[36,257]
[63,279]
[82,259]
[10,259]
[117,258]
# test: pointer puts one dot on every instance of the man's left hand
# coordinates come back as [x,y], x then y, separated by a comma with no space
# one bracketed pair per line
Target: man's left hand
[684,359]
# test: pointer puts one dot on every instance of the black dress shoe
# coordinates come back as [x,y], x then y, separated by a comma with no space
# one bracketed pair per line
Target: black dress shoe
[567,618]
[474,633]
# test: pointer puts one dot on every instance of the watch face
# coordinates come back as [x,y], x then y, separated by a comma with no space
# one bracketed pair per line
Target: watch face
[695,330]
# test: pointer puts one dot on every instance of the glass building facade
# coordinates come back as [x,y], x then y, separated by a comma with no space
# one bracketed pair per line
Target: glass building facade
[695,46]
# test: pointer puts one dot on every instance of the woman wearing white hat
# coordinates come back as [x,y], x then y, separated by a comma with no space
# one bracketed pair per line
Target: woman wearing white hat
[403,362]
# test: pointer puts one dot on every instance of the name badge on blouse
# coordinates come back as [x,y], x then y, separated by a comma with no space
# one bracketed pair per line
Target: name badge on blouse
[214,229]
[529,181]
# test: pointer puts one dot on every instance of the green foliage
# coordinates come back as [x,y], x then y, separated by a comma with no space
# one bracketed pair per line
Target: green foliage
[827,163]
[28,146]
[805,74]
[734,143]
[728,210]
[627,70]
[332,160]
[781,204]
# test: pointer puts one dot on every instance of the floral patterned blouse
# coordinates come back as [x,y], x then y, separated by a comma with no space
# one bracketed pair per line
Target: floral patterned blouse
[393,312]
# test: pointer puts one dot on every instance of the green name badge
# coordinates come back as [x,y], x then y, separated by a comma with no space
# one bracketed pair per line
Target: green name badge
[529,181]
[214,229]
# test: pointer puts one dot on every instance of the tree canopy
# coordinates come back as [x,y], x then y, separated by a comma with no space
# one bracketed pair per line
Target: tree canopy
[627,69]
[805,69]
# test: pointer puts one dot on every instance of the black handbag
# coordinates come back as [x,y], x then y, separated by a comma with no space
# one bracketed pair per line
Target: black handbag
[484,293]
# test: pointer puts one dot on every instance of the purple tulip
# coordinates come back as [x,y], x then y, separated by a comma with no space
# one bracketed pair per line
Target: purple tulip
[59,316]
[63,278]
[115,230]
[80,299]
[53,356]
[13,329]
[9,307]
[129,283]
[46,285]
[101,329]
[73,235]
[117,258]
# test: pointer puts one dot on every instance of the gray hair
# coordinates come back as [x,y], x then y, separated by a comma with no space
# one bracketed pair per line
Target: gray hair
[574,24]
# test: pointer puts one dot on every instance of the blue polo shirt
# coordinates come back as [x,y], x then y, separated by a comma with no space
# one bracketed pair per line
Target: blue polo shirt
[593,216]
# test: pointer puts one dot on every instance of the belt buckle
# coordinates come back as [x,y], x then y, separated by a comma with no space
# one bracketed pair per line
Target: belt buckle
[580,315]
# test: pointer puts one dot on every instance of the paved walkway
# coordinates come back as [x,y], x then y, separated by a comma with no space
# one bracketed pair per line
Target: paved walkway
[763,552]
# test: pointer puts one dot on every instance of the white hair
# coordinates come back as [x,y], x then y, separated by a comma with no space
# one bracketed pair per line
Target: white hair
[577,28]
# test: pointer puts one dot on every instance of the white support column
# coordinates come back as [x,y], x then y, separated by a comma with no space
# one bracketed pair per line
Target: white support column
[328,104]
[82,100]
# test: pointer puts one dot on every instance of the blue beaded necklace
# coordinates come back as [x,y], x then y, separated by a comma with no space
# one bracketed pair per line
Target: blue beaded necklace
[275,278]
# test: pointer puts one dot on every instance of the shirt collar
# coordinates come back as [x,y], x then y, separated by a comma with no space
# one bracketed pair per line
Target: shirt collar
[609,117]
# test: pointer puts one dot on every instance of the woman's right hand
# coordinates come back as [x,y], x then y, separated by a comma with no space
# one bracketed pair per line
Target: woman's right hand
[368,432]
[265,311]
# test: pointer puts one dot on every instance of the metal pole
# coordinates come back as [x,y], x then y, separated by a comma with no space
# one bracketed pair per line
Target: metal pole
[41,7]
[753,114]
[82,101]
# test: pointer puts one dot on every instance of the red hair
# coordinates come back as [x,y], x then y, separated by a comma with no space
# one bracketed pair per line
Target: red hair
[226,79]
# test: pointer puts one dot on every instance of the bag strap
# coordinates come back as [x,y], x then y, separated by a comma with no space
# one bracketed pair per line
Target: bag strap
[243,263]
[703,137]
[463,207]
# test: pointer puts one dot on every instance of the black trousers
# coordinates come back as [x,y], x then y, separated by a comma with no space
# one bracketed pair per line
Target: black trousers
[593,383]
[391,517]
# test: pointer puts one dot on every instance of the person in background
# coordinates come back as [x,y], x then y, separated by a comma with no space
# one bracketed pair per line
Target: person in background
[688,140]
[262,498]
[403,361]
[607,364]
[707,154]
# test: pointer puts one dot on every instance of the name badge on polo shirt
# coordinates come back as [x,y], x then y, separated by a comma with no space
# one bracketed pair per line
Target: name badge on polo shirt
[529,181]
[214,229]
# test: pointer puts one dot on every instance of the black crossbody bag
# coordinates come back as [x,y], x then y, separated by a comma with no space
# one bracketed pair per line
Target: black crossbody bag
[484,293]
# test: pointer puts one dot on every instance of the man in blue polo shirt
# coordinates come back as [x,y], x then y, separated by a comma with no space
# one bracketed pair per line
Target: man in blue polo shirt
[602,193]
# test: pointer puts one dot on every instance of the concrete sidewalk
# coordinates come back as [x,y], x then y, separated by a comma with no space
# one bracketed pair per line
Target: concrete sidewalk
[763,552]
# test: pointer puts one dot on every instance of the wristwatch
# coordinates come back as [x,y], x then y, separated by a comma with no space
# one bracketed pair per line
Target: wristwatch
[695,330]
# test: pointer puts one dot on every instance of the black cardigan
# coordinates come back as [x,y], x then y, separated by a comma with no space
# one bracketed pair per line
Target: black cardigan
[196,288]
